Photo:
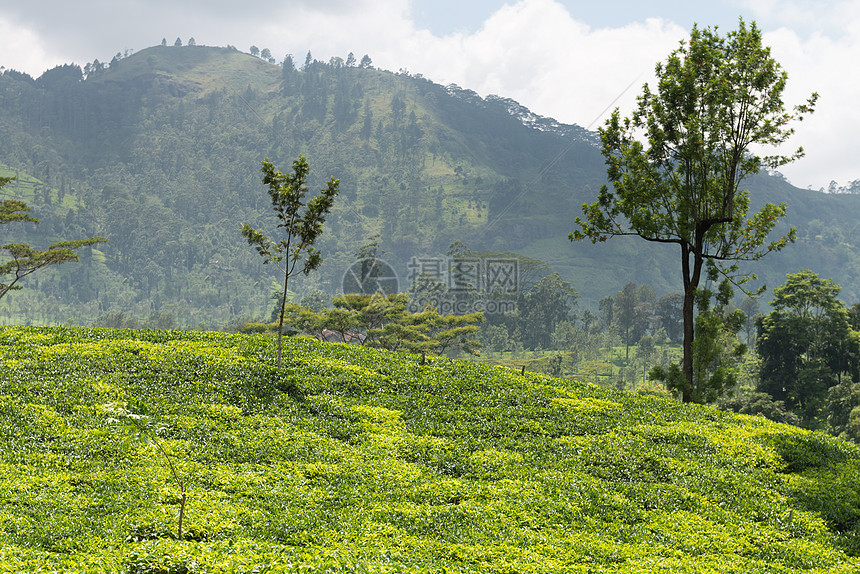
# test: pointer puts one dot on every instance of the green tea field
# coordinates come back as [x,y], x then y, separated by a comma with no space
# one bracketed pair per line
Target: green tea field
[356,460]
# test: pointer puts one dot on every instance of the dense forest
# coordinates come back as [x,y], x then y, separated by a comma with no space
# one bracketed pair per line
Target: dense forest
[160,152]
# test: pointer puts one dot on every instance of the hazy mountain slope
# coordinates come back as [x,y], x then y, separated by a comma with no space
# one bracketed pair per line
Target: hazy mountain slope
[160,152]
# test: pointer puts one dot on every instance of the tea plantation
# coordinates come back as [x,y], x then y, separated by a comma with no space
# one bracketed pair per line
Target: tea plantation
[355,460]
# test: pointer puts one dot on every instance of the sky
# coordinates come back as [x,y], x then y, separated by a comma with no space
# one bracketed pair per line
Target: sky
[570,60]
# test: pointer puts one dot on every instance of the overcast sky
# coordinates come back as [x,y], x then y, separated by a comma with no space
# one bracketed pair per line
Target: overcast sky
[567,59]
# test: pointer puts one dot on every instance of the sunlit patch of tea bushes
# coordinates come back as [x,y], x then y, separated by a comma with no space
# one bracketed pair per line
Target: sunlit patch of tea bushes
[356,460]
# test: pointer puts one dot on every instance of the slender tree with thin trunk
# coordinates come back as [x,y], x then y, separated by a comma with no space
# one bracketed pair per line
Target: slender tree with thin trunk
[676,165]
[299,229]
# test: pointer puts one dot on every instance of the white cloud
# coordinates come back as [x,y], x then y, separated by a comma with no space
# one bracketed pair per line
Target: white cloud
[826,64]
[534,51]
[804,17]
[21,49]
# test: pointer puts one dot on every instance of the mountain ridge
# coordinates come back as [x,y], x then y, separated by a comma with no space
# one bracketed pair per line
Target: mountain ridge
[161,151]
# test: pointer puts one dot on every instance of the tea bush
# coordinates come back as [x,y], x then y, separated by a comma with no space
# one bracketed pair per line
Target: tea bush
[357,460]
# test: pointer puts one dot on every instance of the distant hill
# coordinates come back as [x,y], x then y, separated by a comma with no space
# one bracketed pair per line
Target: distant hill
[352,459]
[160,152]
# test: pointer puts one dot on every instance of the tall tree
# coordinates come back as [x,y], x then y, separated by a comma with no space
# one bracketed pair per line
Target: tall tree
[749,307]
[624,314]
[669,315]
[716,351]
[806,344]
[24,259]
[631,313]
[550,302]
[676,165]
[607,312]
[854,316]
[299,229]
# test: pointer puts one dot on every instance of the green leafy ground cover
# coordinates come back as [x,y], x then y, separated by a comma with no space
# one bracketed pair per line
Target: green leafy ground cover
[356,460]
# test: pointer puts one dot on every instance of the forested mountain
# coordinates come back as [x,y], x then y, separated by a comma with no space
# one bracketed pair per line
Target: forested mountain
[160,152]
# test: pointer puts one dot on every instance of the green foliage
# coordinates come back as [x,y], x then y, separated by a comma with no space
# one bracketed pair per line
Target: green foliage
[382,321]
[631,313]
[549,302]
[806,345]
[24,259]
[843,407]
[159,153]
[141,427]
[670,315]
[716,99]
[351,459]
[717,353]
[299,229]
[252,327]
[762,404]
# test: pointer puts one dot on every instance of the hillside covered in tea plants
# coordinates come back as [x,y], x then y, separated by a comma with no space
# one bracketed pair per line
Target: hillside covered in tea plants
[358,460]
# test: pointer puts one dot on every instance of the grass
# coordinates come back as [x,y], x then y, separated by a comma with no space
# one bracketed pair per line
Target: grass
[355,460]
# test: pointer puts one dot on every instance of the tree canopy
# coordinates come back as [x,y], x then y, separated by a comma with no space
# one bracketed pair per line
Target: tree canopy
[806,344]
[676,165]
[383,321]
[299,229]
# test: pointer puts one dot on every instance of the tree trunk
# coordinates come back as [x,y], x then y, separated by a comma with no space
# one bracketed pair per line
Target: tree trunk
[281,319]
[181,511]
[687,361]
[691,283]
[627,344]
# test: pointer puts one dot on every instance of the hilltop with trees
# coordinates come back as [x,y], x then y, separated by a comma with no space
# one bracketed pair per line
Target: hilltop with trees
[158,152]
